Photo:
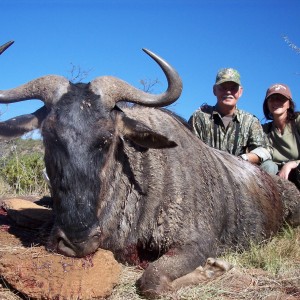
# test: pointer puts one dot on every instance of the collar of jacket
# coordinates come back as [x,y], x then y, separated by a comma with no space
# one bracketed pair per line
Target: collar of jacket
[236,115]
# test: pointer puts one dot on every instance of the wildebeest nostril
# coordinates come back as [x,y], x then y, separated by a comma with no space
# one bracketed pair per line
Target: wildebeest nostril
[79,247]
[64,248]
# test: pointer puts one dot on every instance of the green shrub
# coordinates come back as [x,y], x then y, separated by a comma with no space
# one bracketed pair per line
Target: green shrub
[23,172]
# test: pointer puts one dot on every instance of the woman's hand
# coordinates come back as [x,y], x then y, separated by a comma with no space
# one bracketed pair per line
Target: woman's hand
[286,169]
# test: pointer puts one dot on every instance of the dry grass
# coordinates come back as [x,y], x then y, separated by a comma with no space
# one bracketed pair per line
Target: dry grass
[277,256]
[268,271]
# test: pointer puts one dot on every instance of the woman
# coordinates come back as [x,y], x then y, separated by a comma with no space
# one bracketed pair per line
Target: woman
[283,132]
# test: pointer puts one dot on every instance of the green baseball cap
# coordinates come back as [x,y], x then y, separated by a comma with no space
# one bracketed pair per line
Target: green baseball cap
[228,74]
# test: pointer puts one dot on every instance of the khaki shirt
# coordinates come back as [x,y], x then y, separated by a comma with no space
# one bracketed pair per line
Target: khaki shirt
[243,134]
[285,146]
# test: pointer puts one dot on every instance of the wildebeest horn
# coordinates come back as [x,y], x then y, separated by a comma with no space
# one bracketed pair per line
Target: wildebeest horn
[5,46]
[49,89]
[113,90]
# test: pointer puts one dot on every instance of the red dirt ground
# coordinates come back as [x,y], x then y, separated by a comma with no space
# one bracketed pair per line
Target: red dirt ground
[28,268]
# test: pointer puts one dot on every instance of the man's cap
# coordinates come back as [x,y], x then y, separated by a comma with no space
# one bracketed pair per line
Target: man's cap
[228,74]
[279,88]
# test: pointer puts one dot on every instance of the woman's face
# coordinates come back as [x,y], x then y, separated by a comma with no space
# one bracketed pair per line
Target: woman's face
[278,104]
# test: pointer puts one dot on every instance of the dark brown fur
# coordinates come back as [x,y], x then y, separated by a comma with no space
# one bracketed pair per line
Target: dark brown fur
[173,207]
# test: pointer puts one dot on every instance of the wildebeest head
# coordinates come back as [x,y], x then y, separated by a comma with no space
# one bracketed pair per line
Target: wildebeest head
[80,123]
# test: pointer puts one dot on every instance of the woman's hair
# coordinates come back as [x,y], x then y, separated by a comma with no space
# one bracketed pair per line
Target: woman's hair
[291,114]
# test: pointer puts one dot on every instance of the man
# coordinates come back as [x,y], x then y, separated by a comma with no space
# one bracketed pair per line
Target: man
[227,128]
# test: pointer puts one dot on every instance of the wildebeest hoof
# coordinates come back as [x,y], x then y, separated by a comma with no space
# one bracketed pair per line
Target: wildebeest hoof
[222,264]
[212,269]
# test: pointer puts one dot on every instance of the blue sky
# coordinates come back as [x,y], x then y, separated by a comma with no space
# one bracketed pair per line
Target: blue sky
[105,37]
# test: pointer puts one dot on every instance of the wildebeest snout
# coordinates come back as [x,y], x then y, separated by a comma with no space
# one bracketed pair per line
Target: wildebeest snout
[76,247]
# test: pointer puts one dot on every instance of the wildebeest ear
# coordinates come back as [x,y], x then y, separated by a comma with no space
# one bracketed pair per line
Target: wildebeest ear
[17,126]
[142,135]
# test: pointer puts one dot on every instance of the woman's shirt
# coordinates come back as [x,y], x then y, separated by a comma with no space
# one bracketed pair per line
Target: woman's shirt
[286,145]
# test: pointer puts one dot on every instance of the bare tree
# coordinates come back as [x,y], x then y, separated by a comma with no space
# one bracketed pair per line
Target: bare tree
[148,84]
[291,44]
[77,74]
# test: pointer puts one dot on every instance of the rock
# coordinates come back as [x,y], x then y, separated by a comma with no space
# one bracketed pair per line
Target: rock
[38,274]
[26,213]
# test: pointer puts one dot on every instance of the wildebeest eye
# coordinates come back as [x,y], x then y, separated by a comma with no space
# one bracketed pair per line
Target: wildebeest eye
[103,141]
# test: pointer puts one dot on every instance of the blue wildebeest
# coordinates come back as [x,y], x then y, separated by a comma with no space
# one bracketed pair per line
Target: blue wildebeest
[135,180]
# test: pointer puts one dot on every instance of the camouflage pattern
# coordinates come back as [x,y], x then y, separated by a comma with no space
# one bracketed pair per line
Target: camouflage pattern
[228,74]
[251,137]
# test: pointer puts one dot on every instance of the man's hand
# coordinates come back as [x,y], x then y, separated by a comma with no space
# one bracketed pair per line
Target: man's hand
[251,157]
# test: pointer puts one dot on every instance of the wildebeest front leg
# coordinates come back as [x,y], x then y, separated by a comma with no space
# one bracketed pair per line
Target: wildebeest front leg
[175,270]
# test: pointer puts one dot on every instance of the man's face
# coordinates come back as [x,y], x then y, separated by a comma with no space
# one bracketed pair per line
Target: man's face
[227,93]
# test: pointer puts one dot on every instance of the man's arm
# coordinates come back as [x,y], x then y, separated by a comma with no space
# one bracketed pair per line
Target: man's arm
[194,122]
[258,145]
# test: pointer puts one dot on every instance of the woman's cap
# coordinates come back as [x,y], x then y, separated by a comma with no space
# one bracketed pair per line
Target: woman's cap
[279,88]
